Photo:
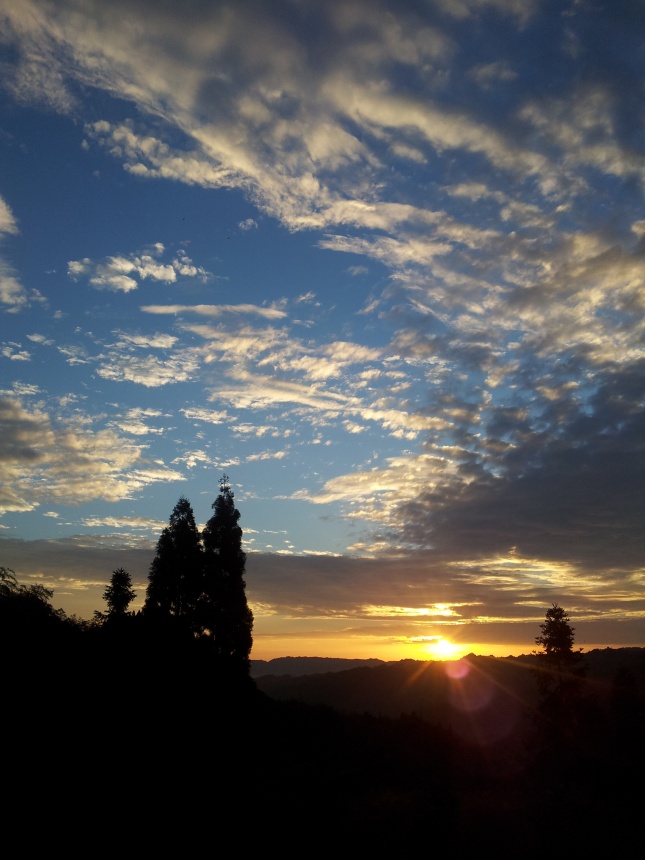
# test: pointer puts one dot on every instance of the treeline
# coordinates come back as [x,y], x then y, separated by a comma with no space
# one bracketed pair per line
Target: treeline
[144,731]
[195,609]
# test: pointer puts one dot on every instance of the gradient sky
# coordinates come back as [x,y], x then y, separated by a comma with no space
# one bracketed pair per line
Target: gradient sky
[382,263]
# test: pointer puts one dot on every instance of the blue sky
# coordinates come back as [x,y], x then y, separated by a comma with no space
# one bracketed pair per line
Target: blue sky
[380,263]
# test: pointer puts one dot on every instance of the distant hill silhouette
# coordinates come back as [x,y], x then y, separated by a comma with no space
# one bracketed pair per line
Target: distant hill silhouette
[494,686]
[296,666]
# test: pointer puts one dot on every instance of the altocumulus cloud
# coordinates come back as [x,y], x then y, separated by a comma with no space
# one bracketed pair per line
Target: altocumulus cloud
[475,172]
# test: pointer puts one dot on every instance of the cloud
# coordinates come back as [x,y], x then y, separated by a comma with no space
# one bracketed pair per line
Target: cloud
[501,345]
[572,497]
[40,338]
[13,352]
[305,129]
[488,74]
[210,416]
[582,126]
[124,274]
[215,310]
[266,455]
[45,459]
[305,298]
[191,459]
[133,422]
[419,593]
[7,219]
[21,389]
[245,390]
[160,340]
[13,295]
[513,8]
[148,370]
[125,522]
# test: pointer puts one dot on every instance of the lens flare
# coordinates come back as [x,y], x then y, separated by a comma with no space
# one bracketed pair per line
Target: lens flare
[442,649]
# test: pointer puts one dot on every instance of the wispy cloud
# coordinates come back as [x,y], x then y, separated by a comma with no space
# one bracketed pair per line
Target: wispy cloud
[431,277]
[46,459]
[215,310]
[13,295]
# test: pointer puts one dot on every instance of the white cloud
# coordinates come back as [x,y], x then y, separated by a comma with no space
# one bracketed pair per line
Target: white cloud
[209,416]
[7,220]
[124,522]
[149,371]
[23,389]
[44,458]
[124,274]
[134,423]
[305,298]
[197,458]
[40,338]
[14,353]
[12,293]
[266,455]
[160,340]
[215,310]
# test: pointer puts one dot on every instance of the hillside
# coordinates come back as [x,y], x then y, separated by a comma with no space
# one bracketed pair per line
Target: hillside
[499,689]
[296,666]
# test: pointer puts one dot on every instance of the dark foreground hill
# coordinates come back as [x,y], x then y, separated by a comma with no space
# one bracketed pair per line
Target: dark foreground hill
[118,746]
[469,748]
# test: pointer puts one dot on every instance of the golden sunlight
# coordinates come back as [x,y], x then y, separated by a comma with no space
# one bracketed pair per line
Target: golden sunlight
[439,648]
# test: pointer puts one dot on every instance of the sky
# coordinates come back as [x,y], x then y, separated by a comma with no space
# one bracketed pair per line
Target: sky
[380,263]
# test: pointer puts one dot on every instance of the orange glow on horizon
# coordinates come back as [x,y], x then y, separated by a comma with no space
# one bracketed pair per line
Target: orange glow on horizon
[442,649]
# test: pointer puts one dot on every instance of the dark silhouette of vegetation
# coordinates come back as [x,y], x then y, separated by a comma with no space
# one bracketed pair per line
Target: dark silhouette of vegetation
[561,709]
[28,621]
[24,604]
[118,595]
[371,758]
[174,581]
[196,583]
[560,666]
[223,609]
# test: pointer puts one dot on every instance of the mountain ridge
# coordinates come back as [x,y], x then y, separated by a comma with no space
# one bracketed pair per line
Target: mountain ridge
[297,666]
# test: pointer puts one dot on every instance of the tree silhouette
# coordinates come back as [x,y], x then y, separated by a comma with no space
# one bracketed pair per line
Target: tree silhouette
[559,665]
[119,593]
[39,644]
[174,580]
[224,613]
[562,716]
[25,610]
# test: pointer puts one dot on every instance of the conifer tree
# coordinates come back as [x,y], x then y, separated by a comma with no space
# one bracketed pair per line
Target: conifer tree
[174,580]
[119,593]
[224,613]
[558,662]
[559,671]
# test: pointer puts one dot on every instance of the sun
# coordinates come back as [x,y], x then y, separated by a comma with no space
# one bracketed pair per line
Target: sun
[442,649]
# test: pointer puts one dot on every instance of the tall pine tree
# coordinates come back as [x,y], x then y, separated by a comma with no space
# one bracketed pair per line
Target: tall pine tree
[224,613]
[174,581]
